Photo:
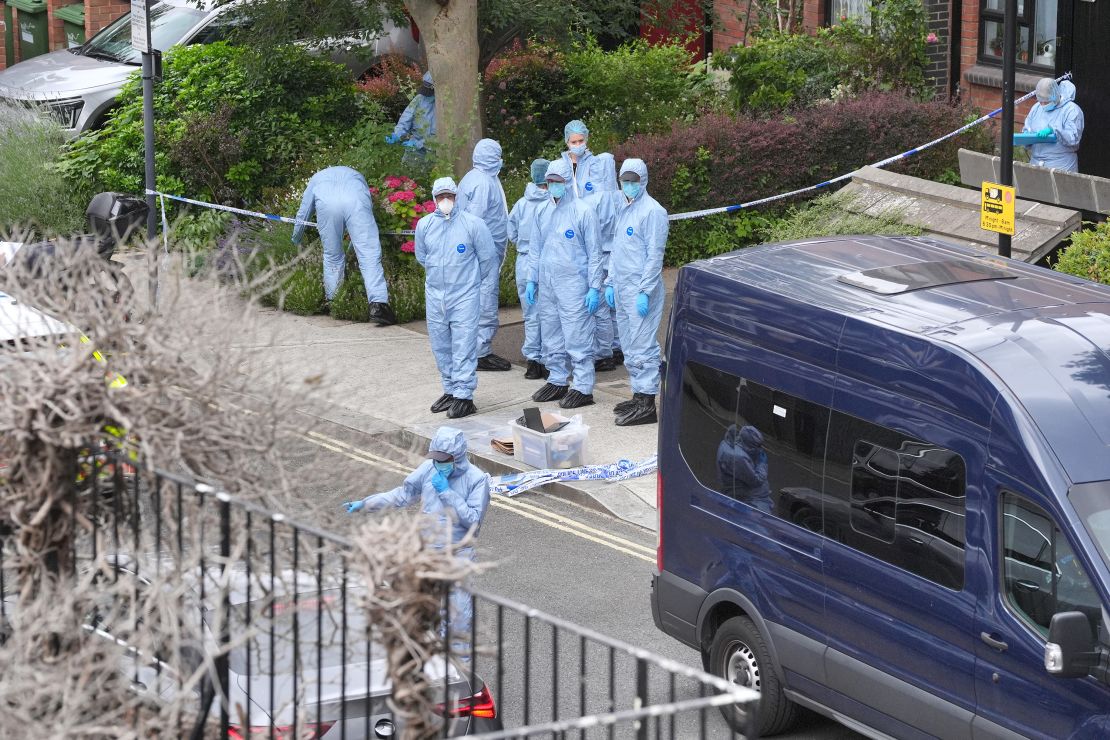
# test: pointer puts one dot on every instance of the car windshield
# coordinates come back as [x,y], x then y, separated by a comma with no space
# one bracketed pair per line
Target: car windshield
[168,24]
[1092,502]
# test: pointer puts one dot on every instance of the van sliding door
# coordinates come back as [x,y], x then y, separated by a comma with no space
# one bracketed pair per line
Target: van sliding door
[898,613]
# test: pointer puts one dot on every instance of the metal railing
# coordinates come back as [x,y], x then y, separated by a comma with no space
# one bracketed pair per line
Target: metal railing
[279,646]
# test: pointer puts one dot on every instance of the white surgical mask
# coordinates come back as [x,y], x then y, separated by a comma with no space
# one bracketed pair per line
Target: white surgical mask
[577,150]
[445,205]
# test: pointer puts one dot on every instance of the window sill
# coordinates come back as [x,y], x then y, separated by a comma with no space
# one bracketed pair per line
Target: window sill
[990,76]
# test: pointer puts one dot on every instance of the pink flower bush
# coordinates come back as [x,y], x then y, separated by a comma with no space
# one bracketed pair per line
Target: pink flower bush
[398,205]
[931,39]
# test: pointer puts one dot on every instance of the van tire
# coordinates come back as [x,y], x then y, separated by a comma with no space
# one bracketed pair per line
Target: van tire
[738,641]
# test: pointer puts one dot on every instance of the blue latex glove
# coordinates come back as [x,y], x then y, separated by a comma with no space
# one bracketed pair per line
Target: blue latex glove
[392,138]
[592,300]
[439,483]
[1045,132]
[642,304]
[354,507]
[610,296]
[411,144]
[530,294]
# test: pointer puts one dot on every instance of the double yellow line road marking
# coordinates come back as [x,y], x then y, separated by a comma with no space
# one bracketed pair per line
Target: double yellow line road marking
[520,508]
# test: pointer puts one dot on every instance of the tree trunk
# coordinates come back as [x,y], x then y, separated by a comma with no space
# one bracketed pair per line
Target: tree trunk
[450,32]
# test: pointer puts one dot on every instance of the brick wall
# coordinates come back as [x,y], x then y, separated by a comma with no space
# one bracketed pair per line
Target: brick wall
[733,13]
[99,13]
[938,23]
[814,15]
[57,29]
[974,87]
[3,38]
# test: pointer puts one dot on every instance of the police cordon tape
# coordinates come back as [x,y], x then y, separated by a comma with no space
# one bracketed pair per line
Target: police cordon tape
[880,164]
[516,483]
[244,212]
[674,216]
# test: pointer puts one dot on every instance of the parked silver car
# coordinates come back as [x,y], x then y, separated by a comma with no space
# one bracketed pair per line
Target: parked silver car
[80,85]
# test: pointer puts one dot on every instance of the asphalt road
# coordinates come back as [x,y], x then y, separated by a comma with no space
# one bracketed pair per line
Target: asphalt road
[556,556]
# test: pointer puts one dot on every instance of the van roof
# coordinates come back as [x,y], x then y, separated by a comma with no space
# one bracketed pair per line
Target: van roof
[1036,329]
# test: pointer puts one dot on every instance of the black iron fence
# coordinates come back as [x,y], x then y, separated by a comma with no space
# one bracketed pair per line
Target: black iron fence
[269,637]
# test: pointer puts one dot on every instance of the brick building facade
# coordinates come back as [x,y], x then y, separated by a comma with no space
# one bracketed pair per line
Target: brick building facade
[97,15]
[965,63]
[733,16]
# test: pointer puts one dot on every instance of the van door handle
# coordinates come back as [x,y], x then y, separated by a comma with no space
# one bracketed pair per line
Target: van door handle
[993,642]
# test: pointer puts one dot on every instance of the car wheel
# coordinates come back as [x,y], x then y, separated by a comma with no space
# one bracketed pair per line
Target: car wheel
[740,656]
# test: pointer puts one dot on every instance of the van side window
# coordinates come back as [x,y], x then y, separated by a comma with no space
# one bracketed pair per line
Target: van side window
[897,499]
[753,443]
[1041,574]
[708,410]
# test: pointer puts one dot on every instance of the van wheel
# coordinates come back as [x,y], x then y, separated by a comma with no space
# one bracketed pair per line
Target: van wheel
[740,656]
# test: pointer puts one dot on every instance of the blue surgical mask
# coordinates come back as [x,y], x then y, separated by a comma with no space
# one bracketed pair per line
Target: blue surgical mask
[557,189]
[630,189]
[577,150]
[444,468]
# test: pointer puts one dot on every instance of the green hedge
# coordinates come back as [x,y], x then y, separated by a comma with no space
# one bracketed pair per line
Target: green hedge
[1088,255]
[230,123]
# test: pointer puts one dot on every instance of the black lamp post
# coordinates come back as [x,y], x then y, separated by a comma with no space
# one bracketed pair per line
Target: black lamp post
[1009,56]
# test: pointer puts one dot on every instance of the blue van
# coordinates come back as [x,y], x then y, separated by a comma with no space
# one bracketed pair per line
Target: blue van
[884,487]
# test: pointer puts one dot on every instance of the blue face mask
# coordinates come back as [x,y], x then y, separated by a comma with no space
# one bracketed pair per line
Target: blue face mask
[557,189]
[577,150]
[630,189]
[443,468]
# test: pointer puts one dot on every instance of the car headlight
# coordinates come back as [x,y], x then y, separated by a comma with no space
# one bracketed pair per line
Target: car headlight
[67,111]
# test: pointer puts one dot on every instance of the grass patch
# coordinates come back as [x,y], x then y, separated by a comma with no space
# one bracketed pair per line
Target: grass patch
[33,195]
[836,215]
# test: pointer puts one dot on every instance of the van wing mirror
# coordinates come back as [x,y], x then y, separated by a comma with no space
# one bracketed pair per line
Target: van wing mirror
[1070,650]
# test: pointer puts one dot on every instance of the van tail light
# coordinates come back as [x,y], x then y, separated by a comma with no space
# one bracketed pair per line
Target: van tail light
[659,528]
[307,732]
[480,705]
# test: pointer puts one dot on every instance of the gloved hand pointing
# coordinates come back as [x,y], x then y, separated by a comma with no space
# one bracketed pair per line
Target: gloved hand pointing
[354,506]
[439,483]
[610,296]
[530,293]
[1045,132]
[392,138]
[642,304]
[411,144]
[592,300]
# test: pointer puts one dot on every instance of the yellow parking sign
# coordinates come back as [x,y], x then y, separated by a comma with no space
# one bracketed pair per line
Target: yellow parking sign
[997,212]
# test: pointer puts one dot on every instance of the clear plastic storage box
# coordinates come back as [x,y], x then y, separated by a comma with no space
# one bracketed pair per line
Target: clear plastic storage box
[565,448]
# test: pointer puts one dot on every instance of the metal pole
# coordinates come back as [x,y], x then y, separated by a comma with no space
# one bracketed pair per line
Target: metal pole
[1009,55]
[148,150]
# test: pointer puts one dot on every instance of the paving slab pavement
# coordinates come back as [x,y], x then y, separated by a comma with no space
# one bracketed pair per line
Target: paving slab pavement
[374,379]
[368,375]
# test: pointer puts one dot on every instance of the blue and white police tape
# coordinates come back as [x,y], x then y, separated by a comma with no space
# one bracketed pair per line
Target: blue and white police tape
[252,214]
[517,483]
[881,163]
